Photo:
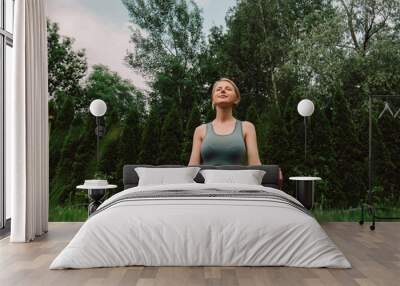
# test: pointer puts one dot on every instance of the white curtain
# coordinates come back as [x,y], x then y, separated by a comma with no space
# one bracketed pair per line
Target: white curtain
[27,124]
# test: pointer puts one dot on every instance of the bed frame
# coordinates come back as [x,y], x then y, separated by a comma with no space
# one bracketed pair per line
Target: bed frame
[273,177]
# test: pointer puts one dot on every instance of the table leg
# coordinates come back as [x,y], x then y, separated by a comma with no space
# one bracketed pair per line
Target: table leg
[305,193]
[96,195]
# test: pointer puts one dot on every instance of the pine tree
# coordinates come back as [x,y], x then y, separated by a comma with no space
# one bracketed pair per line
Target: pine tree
[59,129]
[109,154]
[349,178]
[321,156]
[209,113]
[251,114]
[386,159]
[277,140]
[77,149]
[193,122]
[259,122]
[294,124]
[83,159]
[150,141]
[129,145]
[262,135]
[171,139]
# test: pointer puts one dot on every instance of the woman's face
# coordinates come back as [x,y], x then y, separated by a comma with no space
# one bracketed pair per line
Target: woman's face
[224,94]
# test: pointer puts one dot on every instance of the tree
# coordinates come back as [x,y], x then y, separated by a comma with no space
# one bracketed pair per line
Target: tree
[171,139]
[119,94]
[62,186]
[66,66]
[350,172]
[149,147]
[259,122]
[262,137]
[385,156]
[66,69]
[277,140]
[257,44]
[110,158]
[168,42]
[335,53]
[193,122]
[251,114]
[129,145]
[59,131]
[168,31]
[83,163]
[367,21]
[72,138]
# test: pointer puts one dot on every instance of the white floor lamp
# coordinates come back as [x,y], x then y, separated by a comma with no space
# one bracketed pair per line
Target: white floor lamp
[97,188]
[305,184]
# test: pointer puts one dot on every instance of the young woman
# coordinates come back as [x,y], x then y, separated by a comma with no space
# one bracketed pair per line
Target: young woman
[225,140]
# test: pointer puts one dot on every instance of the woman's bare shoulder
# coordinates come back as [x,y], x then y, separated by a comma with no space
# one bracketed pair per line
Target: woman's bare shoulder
[200,130]
[248,126]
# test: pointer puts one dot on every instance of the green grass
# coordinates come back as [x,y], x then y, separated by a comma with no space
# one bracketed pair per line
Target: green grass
[336,215]
[79,213]
[352,214]
[68,213]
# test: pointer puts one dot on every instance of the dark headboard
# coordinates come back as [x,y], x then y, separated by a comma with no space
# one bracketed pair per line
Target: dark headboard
[273,177]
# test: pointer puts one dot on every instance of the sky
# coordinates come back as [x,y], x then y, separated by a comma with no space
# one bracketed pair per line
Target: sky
[101,27]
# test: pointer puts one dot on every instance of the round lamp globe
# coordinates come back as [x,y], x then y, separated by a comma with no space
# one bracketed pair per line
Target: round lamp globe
[305,107]
[98,107]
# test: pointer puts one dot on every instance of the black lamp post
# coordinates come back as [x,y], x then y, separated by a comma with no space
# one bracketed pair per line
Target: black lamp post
[98,108]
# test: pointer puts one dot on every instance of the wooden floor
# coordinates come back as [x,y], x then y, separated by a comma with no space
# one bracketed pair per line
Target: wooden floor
[375,257]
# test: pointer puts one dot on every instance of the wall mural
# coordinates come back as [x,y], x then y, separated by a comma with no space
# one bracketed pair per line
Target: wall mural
[153,63]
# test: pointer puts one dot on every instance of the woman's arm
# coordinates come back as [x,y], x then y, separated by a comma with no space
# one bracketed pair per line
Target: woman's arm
[197,138]
[251,144]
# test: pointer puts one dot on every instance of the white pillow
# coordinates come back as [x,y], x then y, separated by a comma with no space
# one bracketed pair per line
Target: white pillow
[249,177]
[164,176]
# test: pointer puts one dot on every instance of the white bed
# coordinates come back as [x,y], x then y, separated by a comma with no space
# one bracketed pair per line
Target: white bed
[183,231]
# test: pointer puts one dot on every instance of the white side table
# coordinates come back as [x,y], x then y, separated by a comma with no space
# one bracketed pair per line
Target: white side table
[96,194]
[305,190]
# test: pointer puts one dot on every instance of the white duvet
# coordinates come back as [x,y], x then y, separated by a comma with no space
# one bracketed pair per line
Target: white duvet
[200,231]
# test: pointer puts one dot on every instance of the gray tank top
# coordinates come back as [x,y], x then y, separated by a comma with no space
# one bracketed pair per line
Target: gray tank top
[227,149]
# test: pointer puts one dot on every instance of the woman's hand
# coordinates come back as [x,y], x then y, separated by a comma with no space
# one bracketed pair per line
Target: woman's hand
[250,139]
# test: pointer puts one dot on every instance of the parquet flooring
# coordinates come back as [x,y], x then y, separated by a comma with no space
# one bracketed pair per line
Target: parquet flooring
[374,255]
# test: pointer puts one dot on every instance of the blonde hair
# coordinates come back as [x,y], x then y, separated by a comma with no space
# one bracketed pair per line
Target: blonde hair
[231,82]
